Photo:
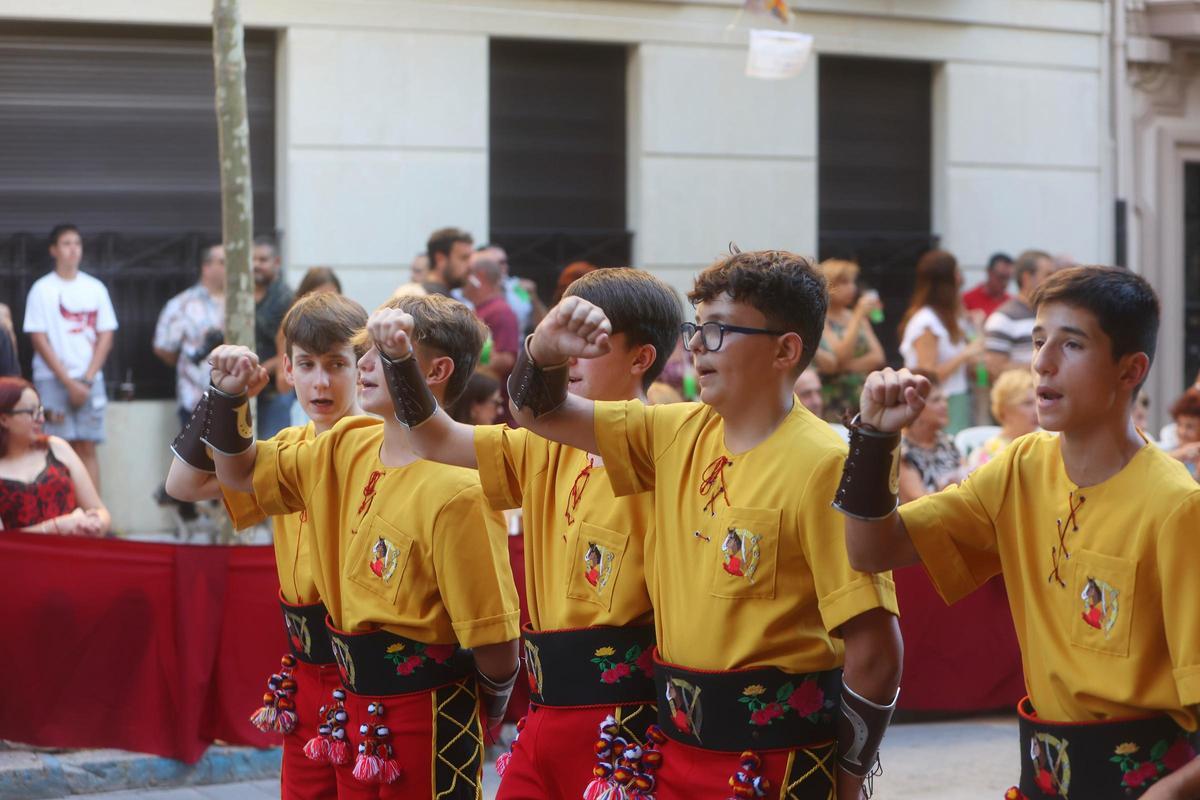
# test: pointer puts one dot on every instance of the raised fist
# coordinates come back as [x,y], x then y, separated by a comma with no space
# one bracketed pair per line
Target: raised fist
[234,368]
[892,399]
[392,331]
[574,328]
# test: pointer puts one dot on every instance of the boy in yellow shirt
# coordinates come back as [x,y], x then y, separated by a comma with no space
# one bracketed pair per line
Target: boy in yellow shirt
[1094,530]
[591,633]
[410,564]
[322,364]
[756,607]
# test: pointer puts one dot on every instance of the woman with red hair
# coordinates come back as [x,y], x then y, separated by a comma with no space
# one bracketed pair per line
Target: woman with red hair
[44,487]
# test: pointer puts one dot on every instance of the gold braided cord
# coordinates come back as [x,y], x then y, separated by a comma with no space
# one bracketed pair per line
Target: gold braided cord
[627,718]
[470,729]
[820,763]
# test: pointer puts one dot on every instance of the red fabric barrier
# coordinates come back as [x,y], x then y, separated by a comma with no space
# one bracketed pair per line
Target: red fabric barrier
[156,648]
[518,704]
[963,657]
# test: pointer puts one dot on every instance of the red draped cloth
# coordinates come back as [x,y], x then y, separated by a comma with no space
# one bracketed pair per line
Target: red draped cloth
[963,657]
[156,648]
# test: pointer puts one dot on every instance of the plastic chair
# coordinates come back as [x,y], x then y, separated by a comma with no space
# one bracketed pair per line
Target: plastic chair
[969,439]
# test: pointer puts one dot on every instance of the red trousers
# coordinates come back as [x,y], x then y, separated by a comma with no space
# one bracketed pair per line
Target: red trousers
[553,756]
[436,740]
[802,774]
[301,778]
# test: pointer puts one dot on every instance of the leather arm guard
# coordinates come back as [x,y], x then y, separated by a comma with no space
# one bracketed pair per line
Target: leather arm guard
[540,389]
[493,697]
[860,731]
[870,484]
[188,447]
[411,399]
[230,428]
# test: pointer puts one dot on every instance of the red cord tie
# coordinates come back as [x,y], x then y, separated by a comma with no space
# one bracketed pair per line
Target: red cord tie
[1059,553]
[714,481]
[369,491]
[577,487]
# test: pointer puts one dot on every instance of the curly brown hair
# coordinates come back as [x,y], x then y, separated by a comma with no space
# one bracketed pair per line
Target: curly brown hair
[788,290]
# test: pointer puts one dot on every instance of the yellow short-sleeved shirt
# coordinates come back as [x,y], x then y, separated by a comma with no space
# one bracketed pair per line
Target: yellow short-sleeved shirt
[411,549]
[1101,580]
[583,546]
[296,581]
[747,562]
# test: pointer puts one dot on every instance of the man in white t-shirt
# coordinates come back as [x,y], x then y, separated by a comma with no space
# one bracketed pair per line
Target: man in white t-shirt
[70,318]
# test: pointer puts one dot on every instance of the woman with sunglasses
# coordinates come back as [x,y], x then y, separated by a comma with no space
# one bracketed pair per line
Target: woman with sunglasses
[44,487]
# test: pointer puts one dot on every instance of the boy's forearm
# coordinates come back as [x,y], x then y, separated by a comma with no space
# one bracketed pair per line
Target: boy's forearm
[879,545]
[237,472]
[443,439]
[189,485]
[104,345]
[572,423]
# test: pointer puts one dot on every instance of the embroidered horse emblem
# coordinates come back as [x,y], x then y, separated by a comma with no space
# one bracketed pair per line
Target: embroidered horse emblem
[384,558]
[683,706]
[533,667]
[597,566]
[1051,764]
[297,628]
[1099,605]
[740,552]
[341,654]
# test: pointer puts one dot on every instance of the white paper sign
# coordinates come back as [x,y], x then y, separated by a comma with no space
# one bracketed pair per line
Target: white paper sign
[777,54]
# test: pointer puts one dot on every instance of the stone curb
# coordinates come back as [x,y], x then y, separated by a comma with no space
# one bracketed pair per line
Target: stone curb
[32,775]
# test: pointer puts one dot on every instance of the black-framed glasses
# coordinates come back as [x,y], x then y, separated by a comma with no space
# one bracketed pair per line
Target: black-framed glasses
[37,412]
[712,334]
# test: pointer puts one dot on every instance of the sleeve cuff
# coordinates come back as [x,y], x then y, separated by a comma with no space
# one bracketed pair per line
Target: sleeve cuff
[489,630]
[858,597]
[945,566]
[266,479]
[612,439]
[242,507]
[1187,680]
[499,487]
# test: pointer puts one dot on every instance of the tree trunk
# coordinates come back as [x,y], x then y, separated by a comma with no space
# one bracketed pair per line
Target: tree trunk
[237,202]
[237,199]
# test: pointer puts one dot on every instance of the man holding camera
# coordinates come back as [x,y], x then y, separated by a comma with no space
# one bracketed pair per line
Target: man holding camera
[190,326]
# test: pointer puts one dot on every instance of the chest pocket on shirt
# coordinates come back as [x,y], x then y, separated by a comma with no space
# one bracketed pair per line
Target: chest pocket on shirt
[595,563]
[1102,597]
[378,558]
[745,545]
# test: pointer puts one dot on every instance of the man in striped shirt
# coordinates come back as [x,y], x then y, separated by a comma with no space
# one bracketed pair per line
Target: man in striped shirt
[1009,329]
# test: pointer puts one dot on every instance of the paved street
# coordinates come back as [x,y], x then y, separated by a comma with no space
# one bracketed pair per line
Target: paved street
[967,760]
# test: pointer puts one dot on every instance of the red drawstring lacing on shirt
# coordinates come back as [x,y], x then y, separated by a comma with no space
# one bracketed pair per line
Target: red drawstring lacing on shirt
[1060,553]
[369,491]
[577,487]
[714,482]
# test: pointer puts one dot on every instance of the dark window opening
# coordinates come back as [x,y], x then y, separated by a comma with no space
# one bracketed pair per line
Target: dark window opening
[874,183]
[557,170]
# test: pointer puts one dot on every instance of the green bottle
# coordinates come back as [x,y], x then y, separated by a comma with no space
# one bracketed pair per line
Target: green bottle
[485,355]
[690,390]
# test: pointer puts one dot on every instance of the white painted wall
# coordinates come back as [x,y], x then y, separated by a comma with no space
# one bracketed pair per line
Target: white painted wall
[384,139]
[718,157]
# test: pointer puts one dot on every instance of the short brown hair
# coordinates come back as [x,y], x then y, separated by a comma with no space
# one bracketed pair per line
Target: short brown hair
[785,287]
[639,305]
[446,326]
[1124,304]
[1188,405]
[321,322]
[443,240]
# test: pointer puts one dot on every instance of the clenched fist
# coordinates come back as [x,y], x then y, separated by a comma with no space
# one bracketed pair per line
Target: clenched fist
[392,331]
[892,399]
[574,328]
[235,369]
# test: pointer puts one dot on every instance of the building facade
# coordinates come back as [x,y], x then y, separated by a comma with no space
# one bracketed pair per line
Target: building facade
[626,131]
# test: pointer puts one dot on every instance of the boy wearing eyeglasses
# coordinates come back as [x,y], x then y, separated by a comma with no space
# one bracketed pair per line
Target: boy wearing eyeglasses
[1094,529]
[777,664]
[588,645]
